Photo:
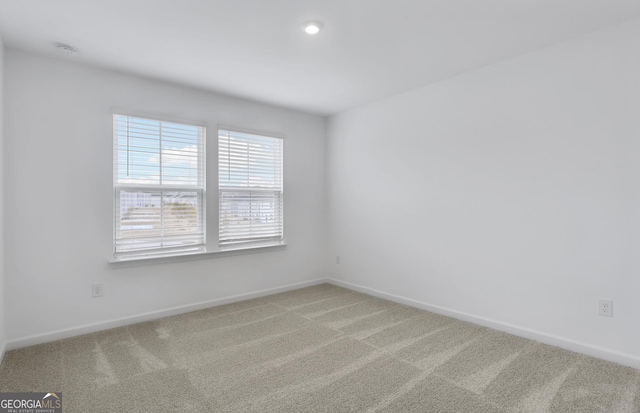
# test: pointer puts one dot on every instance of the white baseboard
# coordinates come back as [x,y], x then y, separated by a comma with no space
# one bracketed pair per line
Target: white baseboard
[153,315]
[565,343]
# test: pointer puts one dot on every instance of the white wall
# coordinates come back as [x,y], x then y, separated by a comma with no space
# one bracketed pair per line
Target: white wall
[509,193]
[2,281]
[59,198]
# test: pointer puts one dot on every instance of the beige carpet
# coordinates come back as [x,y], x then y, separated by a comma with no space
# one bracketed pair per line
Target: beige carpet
[318,349]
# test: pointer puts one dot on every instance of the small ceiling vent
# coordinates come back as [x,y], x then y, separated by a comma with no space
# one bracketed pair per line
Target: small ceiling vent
[66,49]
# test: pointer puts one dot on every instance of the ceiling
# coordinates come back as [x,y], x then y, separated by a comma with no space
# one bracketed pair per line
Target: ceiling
[256,49]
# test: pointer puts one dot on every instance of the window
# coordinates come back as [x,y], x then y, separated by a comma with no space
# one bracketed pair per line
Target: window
[159,187]
[250,188]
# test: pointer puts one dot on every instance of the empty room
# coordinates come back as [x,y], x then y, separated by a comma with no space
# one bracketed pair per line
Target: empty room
[320,206]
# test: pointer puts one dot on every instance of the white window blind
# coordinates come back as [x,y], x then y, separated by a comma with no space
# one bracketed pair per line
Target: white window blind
[250,186]
[159,187]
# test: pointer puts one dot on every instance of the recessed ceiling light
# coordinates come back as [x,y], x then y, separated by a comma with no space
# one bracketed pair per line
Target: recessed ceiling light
[312,27]
[66,49]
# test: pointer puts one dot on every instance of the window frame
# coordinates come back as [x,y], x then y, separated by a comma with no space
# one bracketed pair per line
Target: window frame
[200,188]
[210,198]
[251,243]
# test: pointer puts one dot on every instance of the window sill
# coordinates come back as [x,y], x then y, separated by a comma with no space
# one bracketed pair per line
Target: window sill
[228,251]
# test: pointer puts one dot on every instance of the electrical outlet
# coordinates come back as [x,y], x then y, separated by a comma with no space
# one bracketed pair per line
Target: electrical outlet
[337,259]
[605,307]
[96,290]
